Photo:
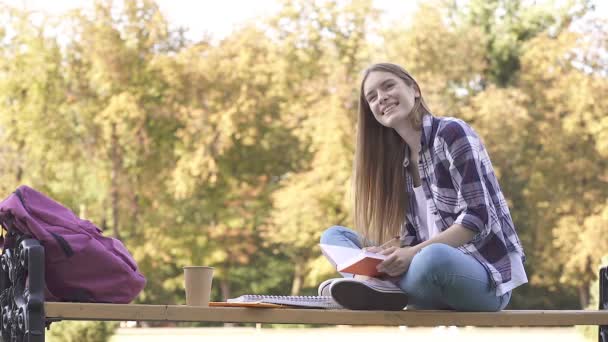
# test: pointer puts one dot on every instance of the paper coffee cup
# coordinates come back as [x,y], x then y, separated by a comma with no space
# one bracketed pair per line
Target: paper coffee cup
[198,281]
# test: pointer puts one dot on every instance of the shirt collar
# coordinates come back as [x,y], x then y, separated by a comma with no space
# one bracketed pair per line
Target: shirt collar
[425,137]
[427,129]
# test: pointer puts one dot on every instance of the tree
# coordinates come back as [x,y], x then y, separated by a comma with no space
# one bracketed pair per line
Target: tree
[39,131]
[239,154]
[320,84]
[567,102]
[430,47]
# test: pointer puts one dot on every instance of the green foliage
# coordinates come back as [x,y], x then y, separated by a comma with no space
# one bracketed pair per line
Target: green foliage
[238,154]
[81,331]
[590,332]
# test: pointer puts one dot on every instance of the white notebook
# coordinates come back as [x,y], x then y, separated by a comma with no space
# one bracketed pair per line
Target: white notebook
[320,302]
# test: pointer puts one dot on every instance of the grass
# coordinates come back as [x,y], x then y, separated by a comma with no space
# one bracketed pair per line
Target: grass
[351,334]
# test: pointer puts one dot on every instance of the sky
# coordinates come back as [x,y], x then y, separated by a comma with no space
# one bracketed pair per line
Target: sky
[218,18]
[215,17]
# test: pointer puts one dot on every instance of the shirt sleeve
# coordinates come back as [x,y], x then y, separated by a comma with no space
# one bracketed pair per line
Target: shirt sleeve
[462,150]
[408,235]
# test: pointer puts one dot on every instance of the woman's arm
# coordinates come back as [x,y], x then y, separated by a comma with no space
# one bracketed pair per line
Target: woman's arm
[456,235]
[400,258]
[460,149]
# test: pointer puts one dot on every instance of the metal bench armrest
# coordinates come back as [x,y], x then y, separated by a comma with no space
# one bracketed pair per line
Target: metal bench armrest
[603,329]
[22,292]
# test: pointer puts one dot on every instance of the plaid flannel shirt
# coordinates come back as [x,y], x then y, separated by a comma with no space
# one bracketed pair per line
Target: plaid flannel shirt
[461,188]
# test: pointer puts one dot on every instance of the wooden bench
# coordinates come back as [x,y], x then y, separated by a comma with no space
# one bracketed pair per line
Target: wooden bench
[24,314]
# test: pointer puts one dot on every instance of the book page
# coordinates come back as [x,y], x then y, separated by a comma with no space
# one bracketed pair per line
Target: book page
[362,256]
[338,254]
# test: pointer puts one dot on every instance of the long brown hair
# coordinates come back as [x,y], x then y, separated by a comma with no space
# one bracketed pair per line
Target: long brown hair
[379,185]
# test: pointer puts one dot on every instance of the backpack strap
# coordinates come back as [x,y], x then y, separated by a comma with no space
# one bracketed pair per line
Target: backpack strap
[2,228]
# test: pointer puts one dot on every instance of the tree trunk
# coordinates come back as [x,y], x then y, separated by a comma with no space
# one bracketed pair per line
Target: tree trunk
[19,173]
[225,290]
[114,182]
[135,213]
[584,291]
[298,278]
[104,215]
[583,295]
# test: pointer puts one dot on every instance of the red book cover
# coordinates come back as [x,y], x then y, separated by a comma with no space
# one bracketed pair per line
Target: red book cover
[353,260]
[365,266]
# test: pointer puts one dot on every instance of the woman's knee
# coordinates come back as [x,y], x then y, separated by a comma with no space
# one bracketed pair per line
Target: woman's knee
[334,231]
[434,257]
[432,261]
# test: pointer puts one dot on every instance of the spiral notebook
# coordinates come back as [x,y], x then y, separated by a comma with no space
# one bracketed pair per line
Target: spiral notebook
[318,302]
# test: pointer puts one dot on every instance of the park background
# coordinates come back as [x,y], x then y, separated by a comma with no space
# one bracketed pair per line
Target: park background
[237,152]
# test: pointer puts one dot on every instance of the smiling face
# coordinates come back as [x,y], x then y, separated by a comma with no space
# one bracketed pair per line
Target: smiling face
[389,97]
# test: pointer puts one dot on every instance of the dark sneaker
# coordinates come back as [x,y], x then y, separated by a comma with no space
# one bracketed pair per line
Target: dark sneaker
[369,294]
[324,287]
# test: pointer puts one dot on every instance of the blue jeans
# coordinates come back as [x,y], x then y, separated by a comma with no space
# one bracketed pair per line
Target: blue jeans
[439,277]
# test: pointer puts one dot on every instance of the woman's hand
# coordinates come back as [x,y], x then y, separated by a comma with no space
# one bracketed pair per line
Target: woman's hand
[398,261]
[373,249]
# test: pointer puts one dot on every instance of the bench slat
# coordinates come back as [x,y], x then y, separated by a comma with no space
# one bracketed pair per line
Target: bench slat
[138,312]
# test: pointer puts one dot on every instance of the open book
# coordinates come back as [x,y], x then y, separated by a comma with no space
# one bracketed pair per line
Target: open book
[320,302]
[353,260]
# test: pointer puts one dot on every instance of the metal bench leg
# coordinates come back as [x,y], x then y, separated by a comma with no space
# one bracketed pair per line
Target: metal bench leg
[603,329]
[22,299]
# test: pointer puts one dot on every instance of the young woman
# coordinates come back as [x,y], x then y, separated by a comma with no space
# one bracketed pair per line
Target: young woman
[429,181]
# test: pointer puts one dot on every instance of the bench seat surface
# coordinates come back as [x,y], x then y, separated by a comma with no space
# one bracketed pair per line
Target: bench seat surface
[182,313]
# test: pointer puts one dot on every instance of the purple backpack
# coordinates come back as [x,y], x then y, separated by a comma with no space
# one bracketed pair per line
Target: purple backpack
[81,264]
